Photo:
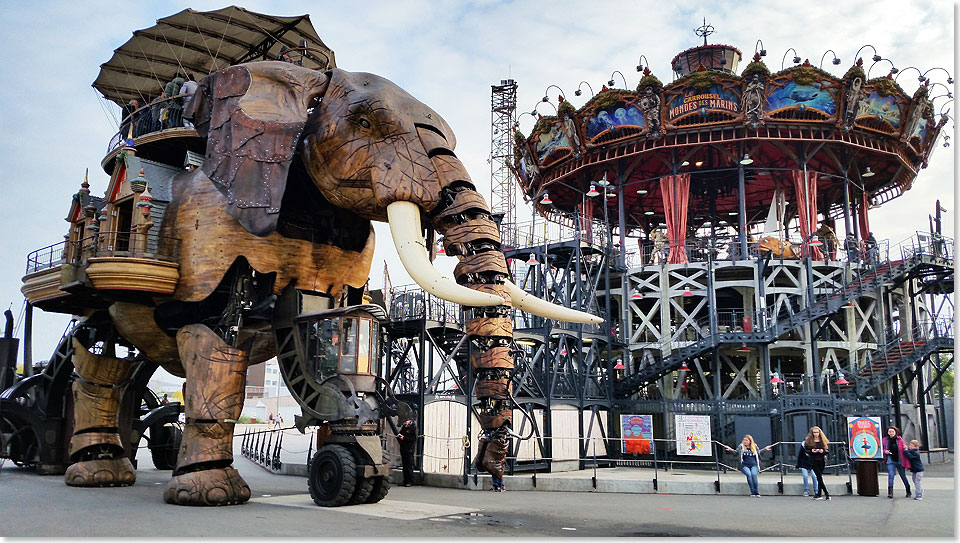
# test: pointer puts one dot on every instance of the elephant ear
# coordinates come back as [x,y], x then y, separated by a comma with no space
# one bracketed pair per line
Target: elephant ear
[252,116]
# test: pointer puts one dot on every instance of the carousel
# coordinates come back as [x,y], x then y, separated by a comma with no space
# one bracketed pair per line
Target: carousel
[735,207]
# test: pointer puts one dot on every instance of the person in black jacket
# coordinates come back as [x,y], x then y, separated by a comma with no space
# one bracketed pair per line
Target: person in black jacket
[817,446]
[916,467]
[805,465]
[407,436]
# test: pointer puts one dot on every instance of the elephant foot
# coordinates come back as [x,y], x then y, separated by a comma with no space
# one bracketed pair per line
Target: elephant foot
[493,459]
[219,486]
[98,473]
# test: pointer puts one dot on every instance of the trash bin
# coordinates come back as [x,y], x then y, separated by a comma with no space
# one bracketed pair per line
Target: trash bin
[867,483]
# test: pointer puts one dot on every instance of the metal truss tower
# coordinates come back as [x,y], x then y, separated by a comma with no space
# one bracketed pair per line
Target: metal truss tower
[503,115]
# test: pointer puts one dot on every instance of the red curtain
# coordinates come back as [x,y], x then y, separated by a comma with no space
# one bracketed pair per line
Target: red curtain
[805,192]
[675,190]
[862,217]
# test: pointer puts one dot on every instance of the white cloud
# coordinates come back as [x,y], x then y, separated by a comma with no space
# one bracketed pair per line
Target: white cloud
[445,53]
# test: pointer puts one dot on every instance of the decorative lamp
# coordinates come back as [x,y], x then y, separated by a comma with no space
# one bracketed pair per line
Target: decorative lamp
[532,261]
[592,192]
[684,367]
[619,365]
[746,159]
[842,380]
[743,348]
[868,173]
[641,191]
[775,380]
[546,199]
[637,295]
[138,184]
[648,212]
[686,293]
[603,180]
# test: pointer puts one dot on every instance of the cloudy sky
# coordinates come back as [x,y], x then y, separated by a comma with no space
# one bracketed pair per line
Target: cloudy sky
[447,54]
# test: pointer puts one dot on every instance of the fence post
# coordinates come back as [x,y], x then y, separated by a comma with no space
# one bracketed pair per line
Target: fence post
[716,460]
[846,452]
[594,464]
[653,444]
[782,467]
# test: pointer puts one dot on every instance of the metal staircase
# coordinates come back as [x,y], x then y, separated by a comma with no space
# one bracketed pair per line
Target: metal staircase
[898,356]
[913,259]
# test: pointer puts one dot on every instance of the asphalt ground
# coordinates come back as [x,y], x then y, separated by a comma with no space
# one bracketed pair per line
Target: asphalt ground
[32,505]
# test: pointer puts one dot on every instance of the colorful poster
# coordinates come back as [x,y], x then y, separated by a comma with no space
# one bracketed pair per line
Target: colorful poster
[693,435]
[863,434]
[637,434]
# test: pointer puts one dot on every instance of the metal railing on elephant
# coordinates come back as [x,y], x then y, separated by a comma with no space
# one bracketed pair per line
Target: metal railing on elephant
[46,257]
[150,245]
[154,117]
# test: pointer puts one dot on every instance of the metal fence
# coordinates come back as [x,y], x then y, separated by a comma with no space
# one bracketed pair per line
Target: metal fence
[47,257]
[103,244]
[153,117]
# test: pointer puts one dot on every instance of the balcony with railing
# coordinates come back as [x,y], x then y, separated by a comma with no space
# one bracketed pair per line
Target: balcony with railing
[129,261]
[154,118]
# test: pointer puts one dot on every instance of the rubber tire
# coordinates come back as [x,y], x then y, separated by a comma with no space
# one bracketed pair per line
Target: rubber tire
[364,486]
[165,442]
[381,485]
[333,476]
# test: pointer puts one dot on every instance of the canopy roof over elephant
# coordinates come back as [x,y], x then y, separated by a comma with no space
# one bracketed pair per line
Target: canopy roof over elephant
[201,42]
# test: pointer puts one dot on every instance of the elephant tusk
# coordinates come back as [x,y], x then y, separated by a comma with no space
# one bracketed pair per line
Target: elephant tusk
[404,220]
[535,306]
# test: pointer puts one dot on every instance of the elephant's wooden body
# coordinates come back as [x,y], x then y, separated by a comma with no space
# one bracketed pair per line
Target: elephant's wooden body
[275,224]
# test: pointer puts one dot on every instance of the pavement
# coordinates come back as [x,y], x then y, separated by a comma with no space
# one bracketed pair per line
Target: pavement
[34,505]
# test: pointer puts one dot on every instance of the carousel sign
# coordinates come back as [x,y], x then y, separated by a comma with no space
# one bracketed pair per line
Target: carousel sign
[716,99]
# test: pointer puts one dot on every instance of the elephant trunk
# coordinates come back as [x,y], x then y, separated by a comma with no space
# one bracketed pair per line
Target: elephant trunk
[470,234]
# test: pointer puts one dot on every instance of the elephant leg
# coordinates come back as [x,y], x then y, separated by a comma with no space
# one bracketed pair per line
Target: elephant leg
[471,235]
[96,448]
[213,398]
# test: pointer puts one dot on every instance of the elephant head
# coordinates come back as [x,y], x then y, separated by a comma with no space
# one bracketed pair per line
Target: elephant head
[369,148]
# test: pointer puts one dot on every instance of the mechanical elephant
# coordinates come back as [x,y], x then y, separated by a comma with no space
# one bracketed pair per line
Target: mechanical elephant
[298,163]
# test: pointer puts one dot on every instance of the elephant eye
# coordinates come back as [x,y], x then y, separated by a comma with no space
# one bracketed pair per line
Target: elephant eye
[364,123]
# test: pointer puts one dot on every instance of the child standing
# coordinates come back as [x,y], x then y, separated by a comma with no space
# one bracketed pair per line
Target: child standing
[805,465]
[916,467]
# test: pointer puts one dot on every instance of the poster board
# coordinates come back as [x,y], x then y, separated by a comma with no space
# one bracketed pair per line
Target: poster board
[693,435]
[637,434]
[863,435]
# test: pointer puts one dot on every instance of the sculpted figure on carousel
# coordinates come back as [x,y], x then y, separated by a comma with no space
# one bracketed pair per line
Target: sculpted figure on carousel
[298,162]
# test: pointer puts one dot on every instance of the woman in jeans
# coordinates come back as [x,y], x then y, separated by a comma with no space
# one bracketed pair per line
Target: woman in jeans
[805,465]
[750,462]
[817,445]
[895,459]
